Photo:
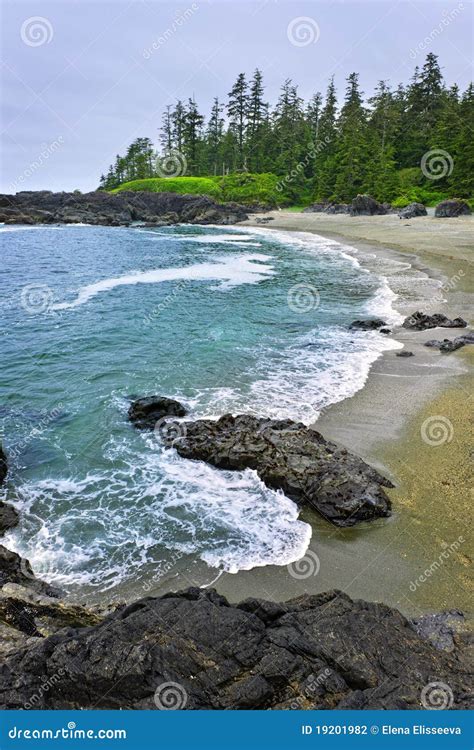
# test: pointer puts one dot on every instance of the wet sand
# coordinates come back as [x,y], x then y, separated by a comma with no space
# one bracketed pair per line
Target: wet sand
[410,420]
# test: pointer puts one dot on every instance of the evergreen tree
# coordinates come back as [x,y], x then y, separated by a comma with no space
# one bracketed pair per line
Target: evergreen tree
[462,149]
[237,111]
[325,159]
[192,143]
[214,139]
[352,151]
[381,179]
[257,124]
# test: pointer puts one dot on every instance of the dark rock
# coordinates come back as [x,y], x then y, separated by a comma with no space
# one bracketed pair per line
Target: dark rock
[145,412]
[16,569]
[316,208]
[451,345]
[338,208]
[370,324]
[9,517]
[385,330]
[40,615]
[420,321]
[315,652]
[413,210]
[451,209]
[264,219]
[3,465]
[365,205]
[291,457]
[404,354]
[444,629]
[44,207]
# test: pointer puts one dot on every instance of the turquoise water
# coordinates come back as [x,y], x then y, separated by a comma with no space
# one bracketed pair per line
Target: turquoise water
[240,320]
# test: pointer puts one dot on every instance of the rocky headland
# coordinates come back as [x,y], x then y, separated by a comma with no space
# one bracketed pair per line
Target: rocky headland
[121,209]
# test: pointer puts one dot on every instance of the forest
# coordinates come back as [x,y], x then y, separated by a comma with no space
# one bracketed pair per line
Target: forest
[317,150]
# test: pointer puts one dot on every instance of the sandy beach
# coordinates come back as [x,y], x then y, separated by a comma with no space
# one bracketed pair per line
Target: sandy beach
[410,420]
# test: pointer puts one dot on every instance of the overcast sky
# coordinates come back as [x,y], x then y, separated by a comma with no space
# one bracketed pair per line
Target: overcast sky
[83,78]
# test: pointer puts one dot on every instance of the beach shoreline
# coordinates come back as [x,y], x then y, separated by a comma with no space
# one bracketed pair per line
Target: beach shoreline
[383,423]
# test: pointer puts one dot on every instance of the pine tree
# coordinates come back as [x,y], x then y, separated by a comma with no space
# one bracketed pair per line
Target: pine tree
[237,111]
[381,179]
[462,149]
[352,151]
[214,138]
[192,142]
[257,124]
[325,159]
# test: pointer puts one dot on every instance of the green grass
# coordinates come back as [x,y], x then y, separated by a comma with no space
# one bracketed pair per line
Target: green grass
[244,188]
[182,185]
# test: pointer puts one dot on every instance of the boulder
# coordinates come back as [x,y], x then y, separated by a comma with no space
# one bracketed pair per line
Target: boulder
[370,324]
[386,330]
[365,205]
[9,517]
[291,457]
[316,208]
[413,210]
[451,345]
[145,412]
[195,650]
[420,321]
[451,209]
[404,354]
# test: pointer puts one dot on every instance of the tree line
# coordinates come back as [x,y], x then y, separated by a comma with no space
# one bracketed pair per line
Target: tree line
[375,145]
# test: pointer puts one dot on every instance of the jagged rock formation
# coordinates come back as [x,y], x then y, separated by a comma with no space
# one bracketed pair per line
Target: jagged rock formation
[45,207]
[194,650]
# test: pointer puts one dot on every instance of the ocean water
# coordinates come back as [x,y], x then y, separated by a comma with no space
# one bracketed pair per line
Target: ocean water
[225,320]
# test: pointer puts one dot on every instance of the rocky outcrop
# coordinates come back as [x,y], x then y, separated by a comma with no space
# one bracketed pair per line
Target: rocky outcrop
[146,412]
[451,345]
[194,650]
[327,208]
[9,517]
[368,324]
[413,210]
[365,205]
[124,208]
[420,321]
[291,457]
[451,209]
[17,570]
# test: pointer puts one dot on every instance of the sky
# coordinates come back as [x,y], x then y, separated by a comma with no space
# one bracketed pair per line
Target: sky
[82,78]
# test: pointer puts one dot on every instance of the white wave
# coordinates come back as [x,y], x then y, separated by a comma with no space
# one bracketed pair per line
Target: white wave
[157,508]
[232,271]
